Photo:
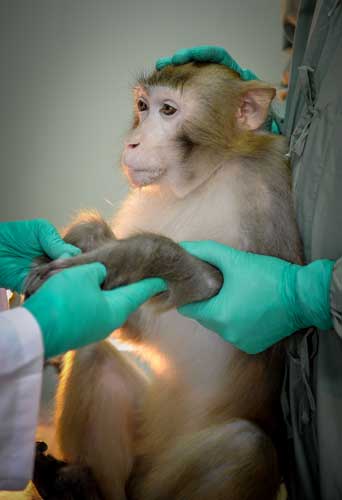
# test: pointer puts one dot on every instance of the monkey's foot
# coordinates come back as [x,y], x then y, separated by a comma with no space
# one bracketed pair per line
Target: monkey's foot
[57,480]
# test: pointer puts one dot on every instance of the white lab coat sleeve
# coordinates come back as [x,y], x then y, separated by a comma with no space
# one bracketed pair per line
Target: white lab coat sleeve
[21,363]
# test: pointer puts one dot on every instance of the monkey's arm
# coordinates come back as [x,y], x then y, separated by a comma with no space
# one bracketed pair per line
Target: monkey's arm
[143,256]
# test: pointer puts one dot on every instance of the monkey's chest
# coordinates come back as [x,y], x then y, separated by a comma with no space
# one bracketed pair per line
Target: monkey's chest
[214,215]
[180,353]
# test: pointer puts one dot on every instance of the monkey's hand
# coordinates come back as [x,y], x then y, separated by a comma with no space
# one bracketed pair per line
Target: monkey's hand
[143,256]
[56,479]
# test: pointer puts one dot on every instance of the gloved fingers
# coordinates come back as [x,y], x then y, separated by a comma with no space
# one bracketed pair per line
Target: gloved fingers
[65,255]
[130,297]
[51,242]
[197,310]
[201,53]
[95,271]
[69,251]
[162,62]
[210,251]
[247,74]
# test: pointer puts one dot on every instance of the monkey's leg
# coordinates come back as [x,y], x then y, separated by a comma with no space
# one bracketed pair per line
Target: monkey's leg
[144,256]
[234,460]
[97,402]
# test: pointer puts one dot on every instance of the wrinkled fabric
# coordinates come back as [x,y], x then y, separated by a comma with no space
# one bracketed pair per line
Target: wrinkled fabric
[312,394]
[21,364]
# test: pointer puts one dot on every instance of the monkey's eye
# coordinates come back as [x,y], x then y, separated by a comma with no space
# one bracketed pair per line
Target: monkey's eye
[168,110]
[142,105]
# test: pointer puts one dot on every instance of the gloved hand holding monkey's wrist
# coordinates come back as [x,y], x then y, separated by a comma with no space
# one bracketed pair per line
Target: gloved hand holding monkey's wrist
[21,242]
[73,311]
[263,299]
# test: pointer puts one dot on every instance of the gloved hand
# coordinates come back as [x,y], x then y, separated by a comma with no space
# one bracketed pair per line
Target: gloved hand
[23,241]
[206,53]
[212,54]
[73,311]
[263,299]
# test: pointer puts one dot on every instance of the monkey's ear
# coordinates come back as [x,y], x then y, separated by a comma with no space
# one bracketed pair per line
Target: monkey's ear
[255,100]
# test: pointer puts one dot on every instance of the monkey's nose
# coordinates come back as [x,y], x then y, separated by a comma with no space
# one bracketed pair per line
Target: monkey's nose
[133,145]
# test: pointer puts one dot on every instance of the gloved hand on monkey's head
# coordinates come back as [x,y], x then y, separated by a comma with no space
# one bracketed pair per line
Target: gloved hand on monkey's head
[206,53]
[215,55]
[263,299]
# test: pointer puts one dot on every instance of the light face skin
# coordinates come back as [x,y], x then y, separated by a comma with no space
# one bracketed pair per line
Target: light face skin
[150,153]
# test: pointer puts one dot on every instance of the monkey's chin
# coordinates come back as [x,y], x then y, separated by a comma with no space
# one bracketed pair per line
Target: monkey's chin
[140,177]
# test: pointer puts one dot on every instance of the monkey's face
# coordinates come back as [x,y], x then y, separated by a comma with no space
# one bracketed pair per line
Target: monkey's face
[151,150]
[188,121]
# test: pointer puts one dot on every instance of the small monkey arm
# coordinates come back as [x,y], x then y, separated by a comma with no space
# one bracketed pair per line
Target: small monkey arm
[21,242]
[263,299]
[216,55]
[73,311]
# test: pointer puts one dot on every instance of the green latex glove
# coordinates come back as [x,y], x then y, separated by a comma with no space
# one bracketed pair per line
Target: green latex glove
[206,53]
[23,241]
[217,55]
[73,311]
[263,299]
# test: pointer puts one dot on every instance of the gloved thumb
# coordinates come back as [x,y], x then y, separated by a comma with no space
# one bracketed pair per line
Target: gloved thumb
[196,310]
[52,243]
[212,252]
[130,297]
[96,271]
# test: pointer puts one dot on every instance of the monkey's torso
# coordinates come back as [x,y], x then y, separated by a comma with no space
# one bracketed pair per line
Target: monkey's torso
[202,396]
[192,353]
[188,355]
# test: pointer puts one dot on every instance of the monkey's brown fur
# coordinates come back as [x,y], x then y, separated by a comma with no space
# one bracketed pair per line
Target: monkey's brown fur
[205,423]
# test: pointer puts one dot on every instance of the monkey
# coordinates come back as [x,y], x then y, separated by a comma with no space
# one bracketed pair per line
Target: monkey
[202,419]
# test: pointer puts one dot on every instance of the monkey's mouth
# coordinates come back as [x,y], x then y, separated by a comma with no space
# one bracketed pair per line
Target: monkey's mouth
[139,177]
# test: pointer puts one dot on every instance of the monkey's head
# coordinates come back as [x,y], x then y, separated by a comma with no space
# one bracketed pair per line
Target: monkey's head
[190,119]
